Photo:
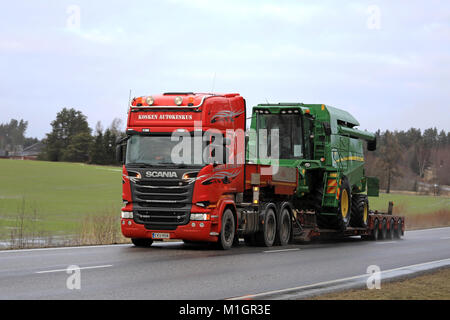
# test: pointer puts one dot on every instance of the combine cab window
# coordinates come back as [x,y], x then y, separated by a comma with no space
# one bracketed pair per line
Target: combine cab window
[290,133]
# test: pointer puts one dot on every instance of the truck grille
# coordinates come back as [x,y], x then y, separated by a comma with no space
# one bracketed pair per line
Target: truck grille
[162,204]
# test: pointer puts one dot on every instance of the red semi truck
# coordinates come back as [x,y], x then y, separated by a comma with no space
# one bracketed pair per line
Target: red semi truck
[200,199]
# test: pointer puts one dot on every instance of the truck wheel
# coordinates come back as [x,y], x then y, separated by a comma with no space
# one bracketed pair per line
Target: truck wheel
[284,227]
[266,237]
[383,231]
[376,230]
[227,231]
[398,232]
[360,211]
[144,242]
[345,205]
[391,231]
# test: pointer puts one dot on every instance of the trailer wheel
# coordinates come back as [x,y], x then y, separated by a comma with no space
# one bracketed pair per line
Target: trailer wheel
[227,231]
[383,233]
[142,242]
[376,230]
[391,231]
[266,237]
[360,211]
[398,232]
[284,227]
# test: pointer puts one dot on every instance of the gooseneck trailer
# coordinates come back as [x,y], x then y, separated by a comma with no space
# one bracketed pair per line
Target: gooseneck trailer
[192,172]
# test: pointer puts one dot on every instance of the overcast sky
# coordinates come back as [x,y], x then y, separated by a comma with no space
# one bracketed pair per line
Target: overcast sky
[386,62]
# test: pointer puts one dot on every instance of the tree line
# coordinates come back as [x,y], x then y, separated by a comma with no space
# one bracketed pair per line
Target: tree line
[403,159]
[72,140]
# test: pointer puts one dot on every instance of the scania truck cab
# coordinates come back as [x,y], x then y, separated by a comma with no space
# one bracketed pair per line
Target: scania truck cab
[176,154]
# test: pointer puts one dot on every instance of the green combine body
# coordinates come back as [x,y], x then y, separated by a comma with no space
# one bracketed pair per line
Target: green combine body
[324,144]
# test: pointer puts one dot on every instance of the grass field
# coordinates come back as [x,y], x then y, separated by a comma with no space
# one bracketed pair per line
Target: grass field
[56,195]
[60,197]
[409,204]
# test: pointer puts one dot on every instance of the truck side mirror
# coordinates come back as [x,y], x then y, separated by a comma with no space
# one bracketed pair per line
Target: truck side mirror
[121,145]
[119,153]
[327,128]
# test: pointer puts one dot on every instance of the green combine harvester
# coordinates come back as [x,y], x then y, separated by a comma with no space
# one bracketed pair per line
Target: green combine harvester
[328,151]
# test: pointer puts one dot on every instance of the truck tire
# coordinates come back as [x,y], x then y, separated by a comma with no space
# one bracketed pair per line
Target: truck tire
[345,205]
[383,231]
[360,211]
[266,237]
[144,242]
[398,232]
[284,226]
[391,231]
[227,231]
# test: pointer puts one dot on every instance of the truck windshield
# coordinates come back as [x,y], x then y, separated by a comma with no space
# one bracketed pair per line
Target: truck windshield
[159,150]
[290,133]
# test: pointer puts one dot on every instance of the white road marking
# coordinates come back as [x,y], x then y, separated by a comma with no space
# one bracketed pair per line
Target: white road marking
[81,268]
[281,250]
[251,296]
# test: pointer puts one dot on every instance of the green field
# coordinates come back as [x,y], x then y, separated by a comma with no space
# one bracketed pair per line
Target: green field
[409,204]
[60,194]
[63,194]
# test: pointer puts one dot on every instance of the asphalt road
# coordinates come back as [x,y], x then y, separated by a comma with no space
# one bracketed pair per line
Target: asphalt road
[179,271]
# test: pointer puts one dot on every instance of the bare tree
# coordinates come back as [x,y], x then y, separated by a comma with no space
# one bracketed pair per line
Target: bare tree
[390,155]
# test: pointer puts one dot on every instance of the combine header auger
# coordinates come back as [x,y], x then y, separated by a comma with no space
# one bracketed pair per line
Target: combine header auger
[311,184]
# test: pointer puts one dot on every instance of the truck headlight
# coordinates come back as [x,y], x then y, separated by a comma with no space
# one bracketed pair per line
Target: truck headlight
[200,216]
[126,215]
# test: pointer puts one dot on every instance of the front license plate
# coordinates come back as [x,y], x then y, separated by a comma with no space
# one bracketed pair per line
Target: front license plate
[160,235]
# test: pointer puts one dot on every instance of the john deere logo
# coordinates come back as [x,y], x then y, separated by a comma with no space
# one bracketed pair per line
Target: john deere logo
[161,174]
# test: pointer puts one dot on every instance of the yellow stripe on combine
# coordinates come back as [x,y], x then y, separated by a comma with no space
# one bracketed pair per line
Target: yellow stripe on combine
[352,158]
